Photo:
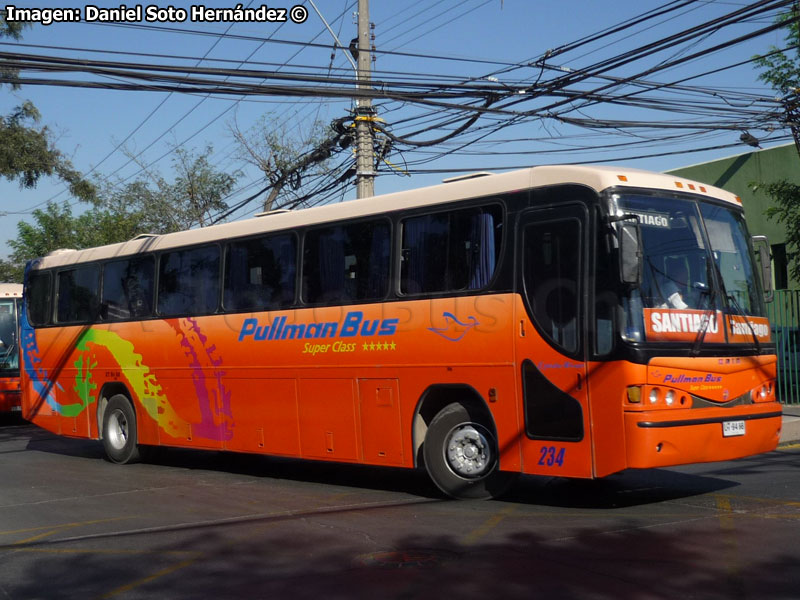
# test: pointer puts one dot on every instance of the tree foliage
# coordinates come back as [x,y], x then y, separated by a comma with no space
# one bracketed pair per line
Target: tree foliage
[27,151]
[781,70]
[786,211]
[56,227]
[27,154]
[781,67]
[195,198]
[11,30]
[120,213]
[285,156]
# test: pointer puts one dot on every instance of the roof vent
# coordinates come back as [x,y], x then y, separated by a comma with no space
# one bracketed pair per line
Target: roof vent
[467,176]
[61,251]
[144,236]
[268,213]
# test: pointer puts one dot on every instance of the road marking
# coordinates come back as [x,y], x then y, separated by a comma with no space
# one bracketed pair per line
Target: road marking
[726,512]
[103,551]
[157,575]
[52,530]
[731,555]
[491,523]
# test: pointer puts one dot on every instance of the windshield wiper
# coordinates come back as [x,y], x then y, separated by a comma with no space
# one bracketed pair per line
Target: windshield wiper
[701,334]
[740,311]
[710,291]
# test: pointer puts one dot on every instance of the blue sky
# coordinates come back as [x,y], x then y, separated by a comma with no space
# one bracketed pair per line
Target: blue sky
[471,38]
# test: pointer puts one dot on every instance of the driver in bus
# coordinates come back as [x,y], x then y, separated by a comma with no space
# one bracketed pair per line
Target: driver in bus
[6,331]
[674,284]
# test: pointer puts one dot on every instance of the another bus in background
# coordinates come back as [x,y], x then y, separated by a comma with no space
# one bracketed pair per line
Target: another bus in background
[10,304]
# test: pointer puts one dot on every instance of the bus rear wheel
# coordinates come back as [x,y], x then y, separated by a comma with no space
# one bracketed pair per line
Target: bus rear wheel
[119,431]
[461,455]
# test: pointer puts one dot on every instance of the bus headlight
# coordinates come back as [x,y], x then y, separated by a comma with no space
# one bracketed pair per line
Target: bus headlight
[670,397]
[764,393]
[653,396]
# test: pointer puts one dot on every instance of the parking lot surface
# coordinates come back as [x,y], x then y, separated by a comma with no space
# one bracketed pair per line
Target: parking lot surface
[194,525]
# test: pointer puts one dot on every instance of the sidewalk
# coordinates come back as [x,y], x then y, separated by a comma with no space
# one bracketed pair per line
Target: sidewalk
[790,432]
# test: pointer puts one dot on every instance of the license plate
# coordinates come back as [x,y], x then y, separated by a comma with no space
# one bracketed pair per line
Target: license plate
[731,428]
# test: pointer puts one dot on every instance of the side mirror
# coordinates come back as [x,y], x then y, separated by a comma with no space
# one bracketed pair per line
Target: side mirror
[630,252]
[764,259]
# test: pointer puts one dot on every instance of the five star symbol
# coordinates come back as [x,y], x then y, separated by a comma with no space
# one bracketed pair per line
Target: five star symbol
[378,346]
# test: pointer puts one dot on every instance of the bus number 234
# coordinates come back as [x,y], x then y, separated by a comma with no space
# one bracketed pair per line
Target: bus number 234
[551,456]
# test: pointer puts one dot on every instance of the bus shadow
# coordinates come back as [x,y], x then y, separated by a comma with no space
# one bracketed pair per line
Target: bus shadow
[630,488]
[40,440]
[626,489]
[11,420]
[622,490]
[411,481]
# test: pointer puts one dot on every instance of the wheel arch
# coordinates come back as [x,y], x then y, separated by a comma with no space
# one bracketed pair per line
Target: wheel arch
[434,399]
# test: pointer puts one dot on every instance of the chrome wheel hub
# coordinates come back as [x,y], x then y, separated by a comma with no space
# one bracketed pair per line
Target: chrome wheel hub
[468,451]
[117,430]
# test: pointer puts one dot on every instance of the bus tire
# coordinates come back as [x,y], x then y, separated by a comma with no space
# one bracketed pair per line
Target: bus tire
[119,431]
[461,455]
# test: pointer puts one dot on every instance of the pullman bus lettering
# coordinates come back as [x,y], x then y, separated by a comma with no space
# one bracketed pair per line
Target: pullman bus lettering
[354,324]
[708,378]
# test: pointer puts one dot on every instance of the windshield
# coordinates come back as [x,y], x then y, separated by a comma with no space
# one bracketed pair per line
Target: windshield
[698,278]
[9,350]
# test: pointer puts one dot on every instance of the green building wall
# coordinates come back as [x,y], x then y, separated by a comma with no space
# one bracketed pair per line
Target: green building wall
[745,175]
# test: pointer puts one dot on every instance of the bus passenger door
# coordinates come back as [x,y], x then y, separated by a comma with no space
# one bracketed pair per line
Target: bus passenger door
[550,347]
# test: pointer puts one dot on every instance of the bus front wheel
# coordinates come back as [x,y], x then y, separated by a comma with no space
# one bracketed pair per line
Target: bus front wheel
[461,455]
[119,431]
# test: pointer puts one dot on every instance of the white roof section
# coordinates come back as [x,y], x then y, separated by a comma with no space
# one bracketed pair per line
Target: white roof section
[598,178]
[10,290]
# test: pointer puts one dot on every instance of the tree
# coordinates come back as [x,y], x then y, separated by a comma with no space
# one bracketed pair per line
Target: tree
[27,152]
[786,211]
[279,154]
[781,69]
[117,214]
[195,198]
[55,227]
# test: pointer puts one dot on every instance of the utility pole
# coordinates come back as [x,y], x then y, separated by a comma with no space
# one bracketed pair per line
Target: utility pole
[365,160]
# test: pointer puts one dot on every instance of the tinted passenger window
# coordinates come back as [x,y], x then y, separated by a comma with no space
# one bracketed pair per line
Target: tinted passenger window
[78,291]
[128,287]
[346,263]
[260,273]
[450,251]
[188,281]
[37,298]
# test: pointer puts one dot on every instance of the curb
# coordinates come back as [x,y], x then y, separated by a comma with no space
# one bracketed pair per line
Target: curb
[790,430]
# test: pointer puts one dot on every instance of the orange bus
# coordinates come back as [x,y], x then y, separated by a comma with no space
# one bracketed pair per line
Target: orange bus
[10,304]
[560,320]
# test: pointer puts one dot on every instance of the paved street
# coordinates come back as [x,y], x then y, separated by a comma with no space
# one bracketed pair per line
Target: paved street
[196,525]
